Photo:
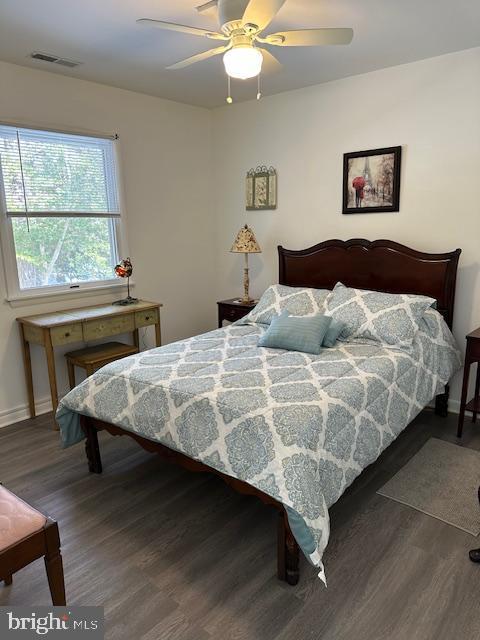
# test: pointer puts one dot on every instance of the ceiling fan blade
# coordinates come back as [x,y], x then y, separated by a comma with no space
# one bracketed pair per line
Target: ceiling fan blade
[261,12]
[203,8]
[310,37]
[172,26]
[270,62]
[205,55]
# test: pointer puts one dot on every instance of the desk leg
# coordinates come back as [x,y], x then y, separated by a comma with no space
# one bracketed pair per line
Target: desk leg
[52,376]
[463,401]
[136,338]
[158,335]
[27,364]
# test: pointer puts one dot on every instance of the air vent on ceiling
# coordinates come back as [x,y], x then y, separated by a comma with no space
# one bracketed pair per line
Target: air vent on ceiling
[47,57]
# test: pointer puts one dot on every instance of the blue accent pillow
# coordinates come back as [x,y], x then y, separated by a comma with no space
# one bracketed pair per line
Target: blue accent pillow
[334,330]
[296,333]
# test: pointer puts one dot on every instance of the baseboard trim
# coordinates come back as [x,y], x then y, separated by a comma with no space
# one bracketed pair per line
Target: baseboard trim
[11,416]
[454,407]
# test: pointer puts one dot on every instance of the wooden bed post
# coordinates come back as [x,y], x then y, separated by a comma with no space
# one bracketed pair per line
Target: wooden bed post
[91,445]
[288,551]
[441,403]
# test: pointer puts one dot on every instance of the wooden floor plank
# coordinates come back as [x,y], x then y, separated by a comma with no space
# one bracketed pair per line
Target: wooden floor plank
[174,555]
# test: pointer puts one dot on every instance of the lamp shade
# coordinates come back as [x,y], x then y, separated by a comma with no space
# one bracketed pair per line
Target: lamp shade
[245,242]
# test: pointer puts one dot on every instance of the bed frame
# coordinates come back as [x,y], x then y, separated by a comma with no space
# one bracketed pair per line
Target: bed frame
[381,265]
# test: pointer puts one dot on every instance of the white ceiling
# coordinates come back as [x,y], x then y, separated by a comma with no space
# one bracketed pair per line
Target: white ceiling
[114,50]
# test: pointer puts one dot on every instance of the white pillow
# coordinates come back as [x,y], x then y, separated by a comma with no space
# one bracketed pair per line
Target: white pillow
[298,301]
[391,319]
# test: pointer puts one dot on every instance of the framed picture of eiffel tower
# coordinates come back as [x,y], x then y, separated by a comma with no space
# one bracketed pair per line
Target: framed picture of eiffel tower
[371,180]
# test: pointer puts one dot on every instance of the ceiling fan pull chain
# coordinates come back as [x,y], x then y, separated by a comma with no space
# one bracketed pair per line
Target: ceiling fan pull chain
[229,97]
[259,90]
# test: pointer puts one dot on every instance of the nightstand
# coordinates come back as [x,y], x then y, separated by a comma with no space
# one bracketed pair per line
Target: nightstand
[233,309]
[472,355]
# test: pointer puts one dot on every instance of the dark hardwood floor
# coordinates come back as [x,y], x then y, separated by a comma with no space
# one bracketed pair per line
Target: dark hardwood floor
[173,555]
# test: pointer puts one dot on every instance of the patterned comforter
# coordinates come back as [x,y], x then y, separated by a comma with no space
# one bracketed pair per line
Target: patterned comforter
[298,427]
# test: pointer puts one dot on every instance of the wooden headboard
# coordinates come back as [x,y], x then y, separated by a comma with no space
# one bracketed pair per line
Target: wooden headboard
[381,265]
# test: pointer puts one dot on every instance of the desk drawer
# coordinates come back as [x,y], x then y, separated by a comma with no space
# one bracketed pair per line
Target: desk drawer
[94,329]
[146,318]
[33,334]
[66,333]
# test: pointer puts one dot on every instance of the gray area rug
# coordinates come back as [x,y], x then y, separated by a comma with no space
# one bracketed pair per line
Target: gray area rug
[441,480]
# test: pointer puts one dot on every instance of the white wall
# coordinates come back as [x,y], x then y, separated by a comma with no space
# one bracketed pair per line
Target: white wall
[165,154]
[185,205]
[430,107]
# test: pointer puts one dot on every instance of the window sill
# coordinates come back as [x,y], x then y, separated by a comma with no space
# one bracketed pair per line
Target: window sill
[44,297]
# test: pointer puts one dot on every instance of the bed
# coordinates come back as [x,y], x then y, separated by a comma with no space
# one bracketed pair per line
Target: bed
[291,428]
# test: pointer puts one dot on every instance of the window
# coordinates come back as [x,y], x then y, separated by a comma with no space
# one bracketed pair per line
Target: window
[60,210]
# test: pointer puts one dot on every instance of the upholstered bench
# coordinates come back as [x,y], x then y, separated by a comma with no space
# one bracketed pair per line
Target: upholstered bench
[26,535]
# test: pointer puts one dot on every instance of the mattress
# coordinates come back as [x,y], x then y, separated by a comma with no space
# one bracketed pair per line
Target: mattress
[299,427]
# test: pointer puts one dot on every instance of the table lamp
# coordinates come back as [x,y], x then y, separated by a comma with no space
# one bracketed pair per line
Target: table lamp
[124,269]
[245,243]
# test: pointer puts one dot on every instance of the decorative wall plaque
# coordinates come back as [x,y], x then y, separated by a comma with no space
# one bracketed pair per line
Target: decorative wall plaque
[261,189]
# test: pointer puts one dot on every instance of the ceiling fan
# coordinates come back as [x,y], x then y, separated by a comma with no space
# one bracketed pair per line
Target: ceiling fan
[241,23]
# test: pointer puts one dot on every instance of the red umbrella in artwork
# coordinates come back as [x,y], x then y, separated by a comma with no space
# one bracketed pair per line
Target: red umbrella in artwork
[358,183]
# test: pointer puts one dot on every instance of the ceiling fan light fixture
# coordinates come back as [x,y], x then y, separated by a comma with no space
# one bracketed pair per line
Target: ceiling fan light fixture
[243,62]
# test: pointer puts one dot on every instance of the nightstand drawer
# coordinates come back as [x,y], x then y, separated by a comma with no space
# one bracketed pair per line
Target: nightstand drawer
[66,333]
[146,318]
[473,348]
[231,310]
[94,329]
[231,313]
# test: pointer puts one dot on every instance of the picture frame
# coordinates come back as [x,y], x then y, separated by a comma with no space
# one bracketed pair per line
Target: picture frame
[261,189]
[371,181]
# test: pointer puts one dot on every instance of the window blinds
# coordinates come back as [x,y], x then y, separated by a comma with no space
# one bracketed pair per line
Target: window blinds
[49,174]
